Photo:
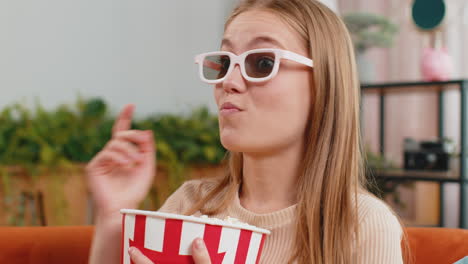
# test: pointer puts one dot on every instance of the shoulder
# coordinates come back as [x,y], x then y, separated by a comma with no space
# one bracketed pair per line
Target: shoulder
[379,229]
[370,209]
[187,195]
[376,217]
[369,205]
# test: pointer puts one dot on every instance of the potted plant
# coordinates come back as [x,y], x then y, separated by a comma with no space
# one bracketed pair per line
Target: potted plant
[43,155]
[376,163]
[369,30]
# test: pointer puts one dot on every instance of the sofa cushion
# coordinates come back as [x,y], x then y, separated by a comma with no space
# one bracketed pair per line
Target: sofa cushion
[437,245]
[70,245]
[45,245]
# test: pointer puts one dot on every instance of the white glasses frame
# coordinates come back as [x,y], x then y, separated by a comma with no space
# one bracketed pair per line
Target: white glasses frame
[240,60]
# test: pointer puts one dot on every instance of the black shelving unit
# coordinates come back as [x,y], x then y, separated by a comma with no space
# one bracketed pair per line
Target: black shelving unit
[461,177]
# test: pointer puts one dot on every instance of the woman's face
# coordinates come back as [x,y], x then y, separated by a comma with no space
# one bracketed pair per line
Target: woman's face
[274,113]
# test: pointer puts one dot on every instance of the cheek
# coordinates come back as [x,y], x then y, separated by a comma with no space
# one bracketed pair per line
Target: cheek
[295,100]
[216,93]
[288,99]
[276,117]
[280,116]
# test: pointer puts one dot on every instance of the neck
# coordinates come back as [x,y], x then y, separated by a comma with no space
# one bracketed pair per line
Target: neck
[270,181]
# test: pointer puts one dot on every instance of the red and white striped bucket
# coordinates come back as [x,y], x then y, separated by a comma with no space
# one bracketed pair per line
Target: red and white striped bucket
[167,238]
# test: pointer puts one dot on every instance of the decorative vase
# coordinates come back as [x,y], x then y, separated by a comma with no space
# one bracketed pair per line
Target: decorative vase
[365,67]
[436,65]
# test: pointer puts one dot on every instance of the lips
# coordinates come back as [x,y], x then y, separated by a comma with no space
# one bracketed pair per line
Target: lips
[230,106]
[228,109]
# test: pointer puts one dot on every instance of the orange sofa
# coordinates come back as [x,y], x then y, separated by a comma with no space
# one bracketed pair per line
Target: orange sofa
[70,245]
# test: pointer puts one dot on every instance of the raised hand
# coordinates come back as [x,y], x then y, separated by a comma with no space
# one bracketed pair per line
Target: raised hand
[121,174]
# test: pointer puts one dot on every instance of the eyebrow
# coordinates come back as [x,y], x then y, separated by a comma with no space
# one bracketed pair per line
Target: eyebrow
[268,39]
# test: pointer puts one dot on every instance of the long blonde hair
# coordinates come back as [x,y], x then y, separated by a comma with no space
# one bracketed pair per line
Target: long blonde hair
[332,169]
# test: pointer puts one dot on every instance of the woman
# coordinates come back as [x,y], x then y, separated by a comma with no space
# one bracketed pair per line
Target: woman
[285,83]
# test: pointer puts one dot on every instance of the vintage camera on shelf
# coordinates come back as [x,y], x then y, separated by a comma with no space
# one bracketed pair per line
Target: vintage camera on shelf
[427,155]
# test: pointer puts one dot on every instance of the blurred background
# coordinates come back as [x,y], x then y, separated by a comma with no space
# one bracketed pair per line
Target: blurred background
[68,67]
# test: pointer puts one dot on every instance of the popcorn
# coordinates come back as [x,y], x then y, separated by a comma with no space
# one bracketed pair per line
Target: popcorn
[167,238]
[228,219]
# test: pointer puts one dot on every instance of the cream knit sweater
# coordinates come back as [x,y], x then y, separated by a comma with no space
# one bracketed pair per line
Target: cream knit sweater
[380,235]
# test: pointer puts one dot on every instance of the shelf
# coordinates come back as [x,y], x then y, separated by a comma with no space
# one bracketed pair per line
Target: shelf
[410,175]
[409,84]
[459,176]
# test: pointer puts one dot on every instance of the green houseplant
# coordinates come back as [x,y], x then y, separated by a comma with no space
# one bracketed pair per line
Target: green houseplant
[369,30]
[36,143]
[375,163]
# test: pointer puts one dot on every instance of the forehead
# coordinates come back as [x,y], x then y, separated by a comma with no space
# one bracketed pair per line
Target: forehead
[261,29]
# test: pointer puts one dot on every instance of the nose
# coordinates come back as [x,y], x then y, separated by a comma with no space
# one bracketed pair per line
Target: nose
[234,82]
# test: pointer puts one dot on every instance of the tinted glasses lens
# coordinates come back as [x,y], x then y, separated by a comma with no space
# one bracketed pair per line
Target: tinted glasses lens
[215,67]
[259,65]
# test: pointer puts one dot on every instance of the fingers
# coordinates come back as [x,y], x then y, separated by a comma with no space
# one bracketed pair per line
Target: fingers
[144,139]
[126,148]
[138,257]
[199,252]
[124,120]
[121,130]
[114,157]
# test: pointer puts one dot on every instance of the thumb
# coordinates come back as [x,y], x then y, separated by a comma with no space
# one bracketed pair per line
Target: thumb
[199,252]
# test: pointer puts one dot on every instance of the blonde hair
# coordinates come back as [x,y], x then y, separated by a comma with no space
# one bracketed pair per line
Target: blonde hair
[332,169]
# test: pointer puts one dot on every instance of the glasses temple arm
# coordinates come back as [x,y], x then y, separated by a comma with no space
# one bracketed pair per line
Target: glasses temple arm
[297,58]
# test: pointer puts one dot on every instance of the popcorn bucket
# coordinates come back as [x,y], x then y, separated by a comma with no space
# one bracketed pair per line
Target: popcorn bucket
[167,238]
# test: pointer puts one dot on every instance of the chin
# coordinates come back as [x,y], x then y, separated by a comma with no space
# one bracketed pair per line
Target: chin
[236,144]
[231,144]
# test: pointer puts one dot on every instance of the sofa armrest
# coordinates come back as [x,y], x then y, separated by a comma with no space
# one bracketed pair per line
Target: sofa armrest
[437,245]
[45,245]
